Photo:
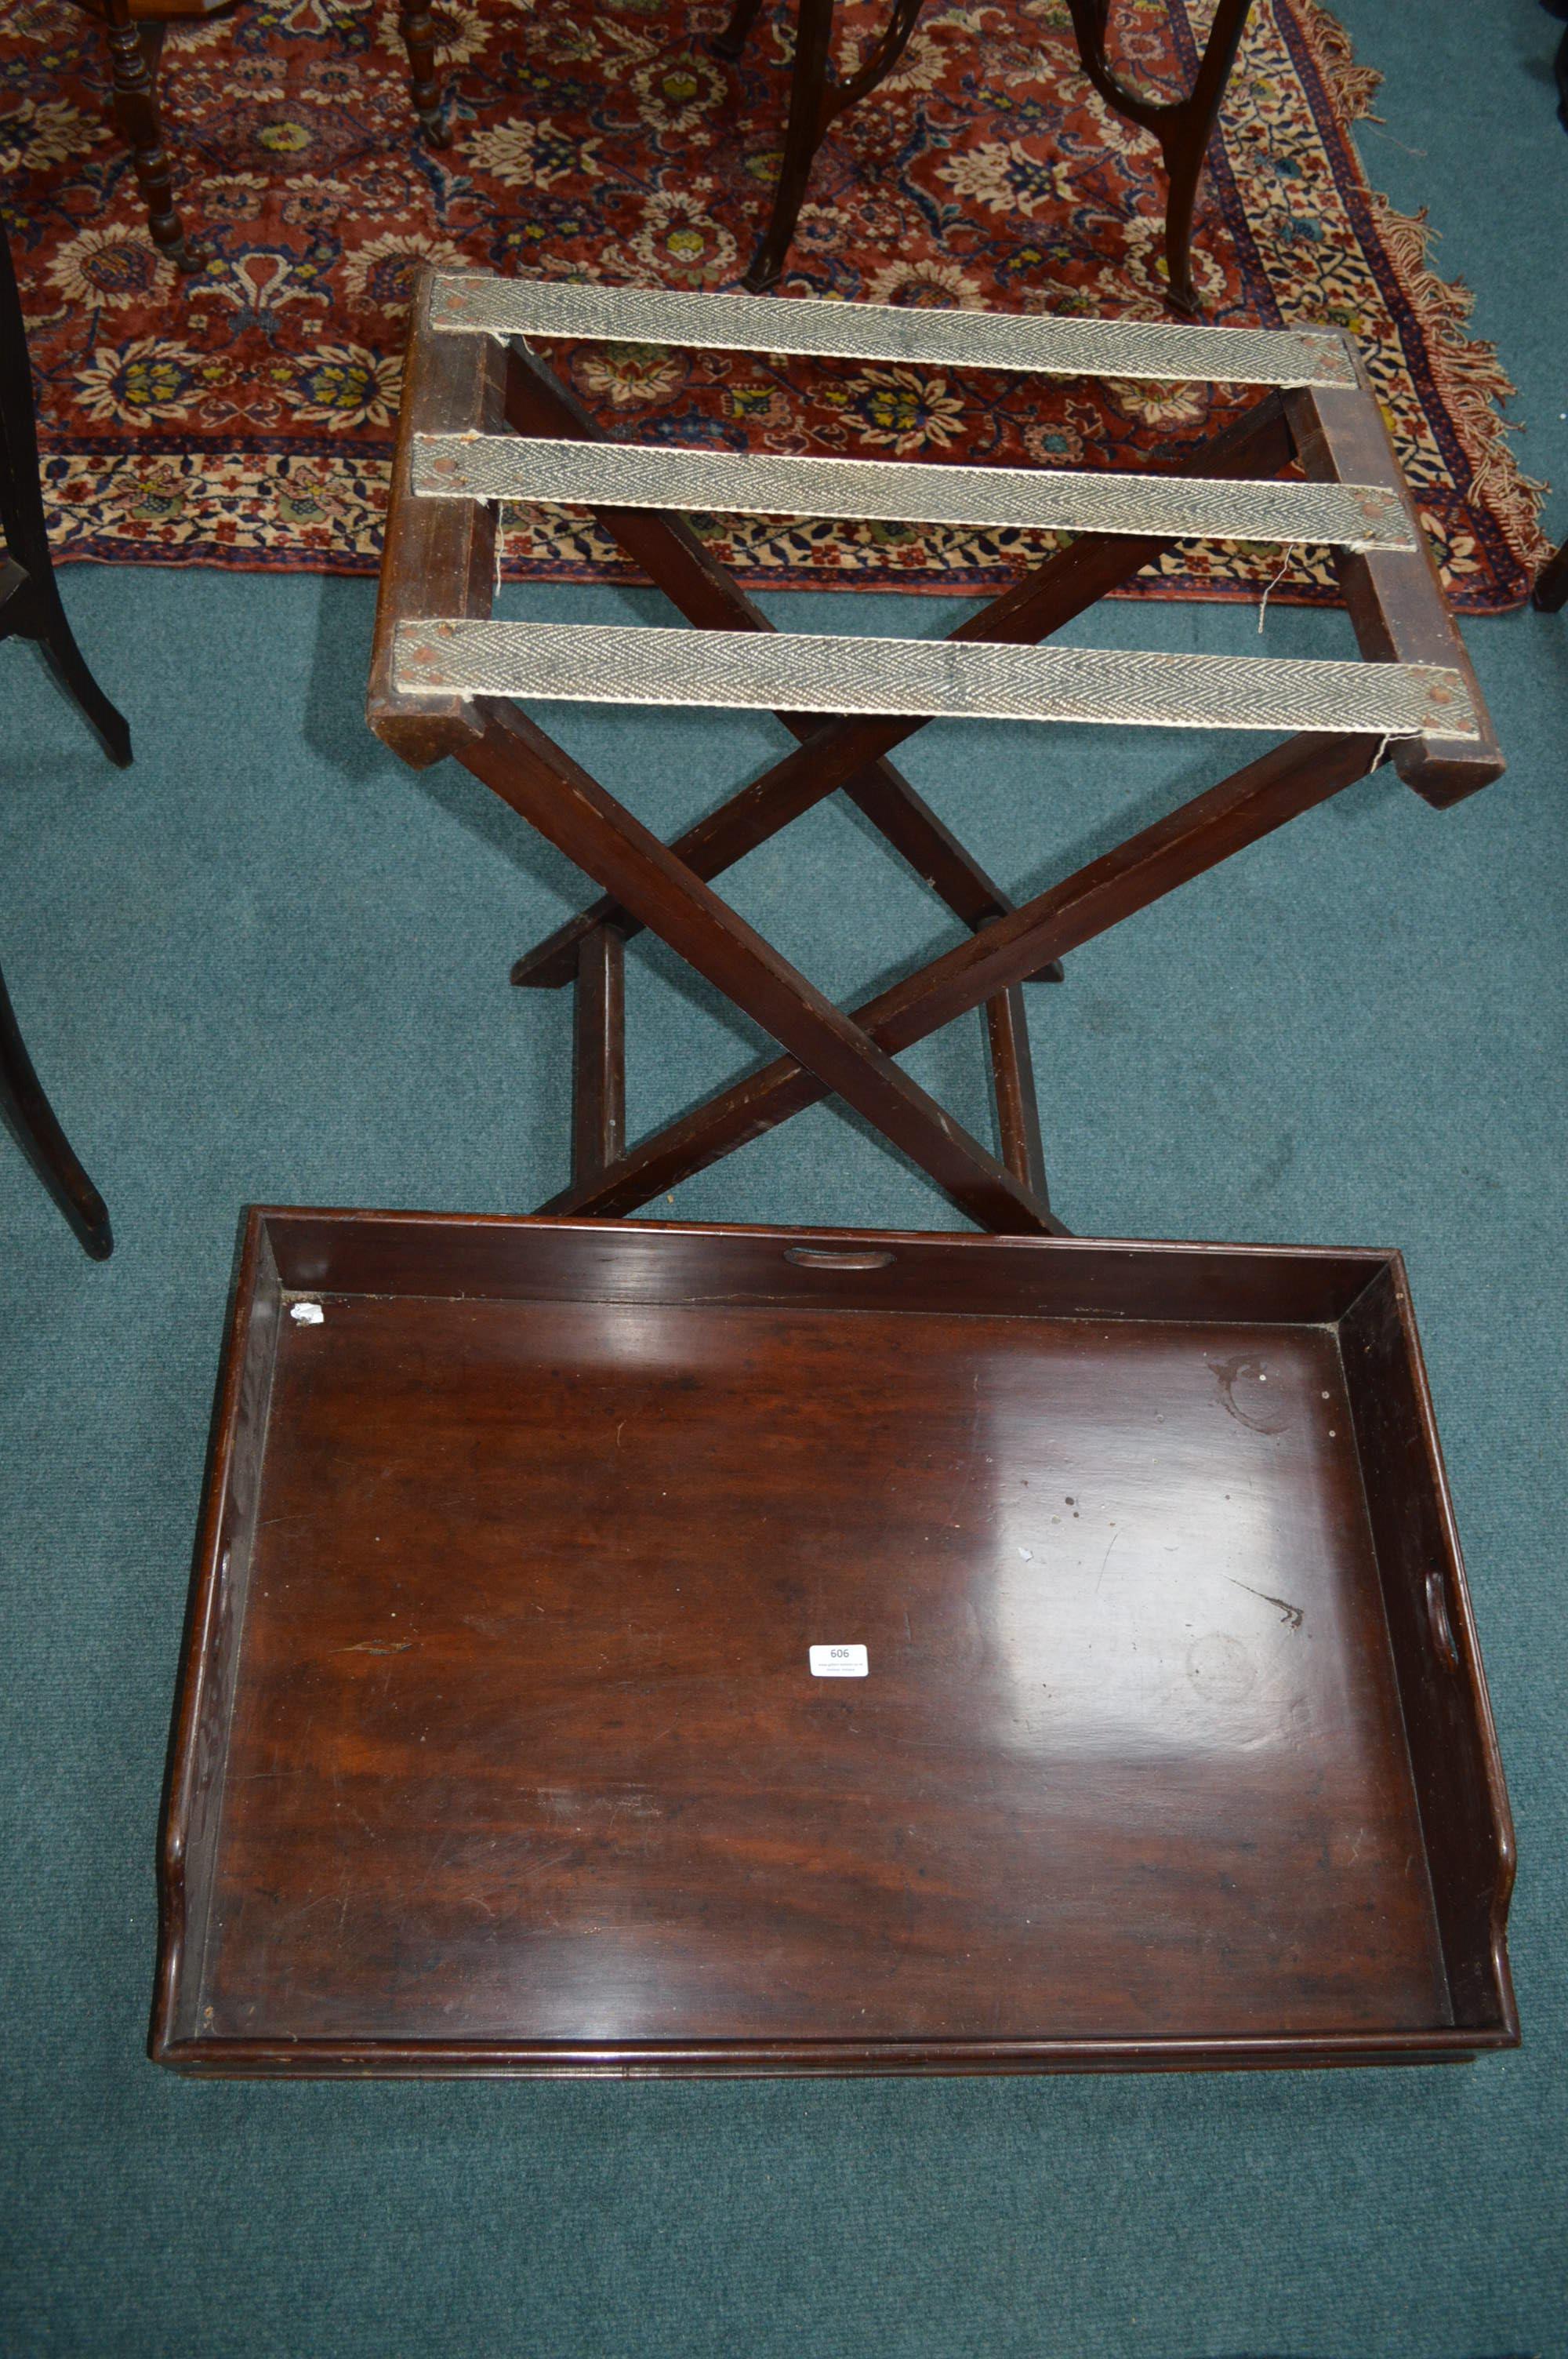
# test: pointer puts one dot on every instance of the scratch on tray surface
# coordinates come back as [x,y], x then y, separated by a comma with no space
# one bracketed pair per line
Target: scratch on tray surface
[1291,1614]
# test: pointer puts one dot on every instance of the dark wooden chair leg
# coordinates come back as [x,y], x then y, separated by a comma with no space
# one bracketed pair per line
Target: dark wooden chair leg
[132,58]
[1184,145]
[28,1112]
[1552,584]
[418,29]
[1184,151]
[1183,126]
[803,136]
[730,43]
[30,599]
[30,609]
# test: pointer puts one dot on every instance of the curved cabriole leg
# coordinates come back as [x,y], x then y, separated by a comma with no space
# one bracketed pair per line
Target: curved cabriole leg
[1184,167]
[730,43]
[136,116]
[1184,143]
[803,135]
[28,1113]
[69,666]
[30,605]
[418,26]
[1183,126]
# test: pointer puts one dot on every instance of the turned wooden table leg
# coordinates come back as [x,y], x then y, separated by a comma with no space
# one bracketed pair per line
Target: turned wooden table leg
[28,1113]
[418,26]
[803,135]
[136,116]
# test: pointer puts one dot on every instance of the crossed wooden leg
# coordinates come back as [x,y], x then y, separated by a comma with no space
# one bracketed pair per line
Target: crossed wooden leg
[851,755]
[827,1050]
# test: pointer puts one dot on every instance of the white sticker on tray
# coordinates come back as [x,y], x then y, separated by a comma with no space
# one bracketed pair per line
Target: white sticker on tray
[839,1663]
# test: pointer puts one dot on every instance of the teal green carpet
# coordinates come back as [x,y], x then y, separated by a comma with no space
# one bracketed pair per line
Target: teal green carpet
[269,963]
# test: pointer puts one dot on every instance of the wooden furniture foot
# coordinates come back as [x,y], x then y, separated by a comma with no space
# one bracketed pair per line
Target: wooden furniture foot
[28,1115]
[816,100]
[1551,583]
[30,608]
[30,605]
[418,25]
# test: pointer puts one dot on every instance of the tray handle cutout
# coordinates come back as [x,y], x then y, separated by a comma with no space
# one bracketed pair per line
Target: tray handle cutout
[1438,1623]
[824,1257]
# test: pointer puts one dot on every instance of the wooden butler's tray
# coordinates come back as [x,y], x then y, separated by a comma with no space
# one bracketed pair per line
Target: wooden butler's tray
[505,1743]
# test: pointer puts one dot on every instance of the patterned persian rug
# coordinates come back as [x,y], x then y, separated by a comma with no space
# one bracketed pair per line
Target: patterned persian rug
[245,417]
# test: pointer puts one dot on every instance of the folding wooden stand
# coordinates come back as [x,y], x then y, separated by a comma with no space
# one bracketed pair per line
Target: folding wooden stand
[485,422]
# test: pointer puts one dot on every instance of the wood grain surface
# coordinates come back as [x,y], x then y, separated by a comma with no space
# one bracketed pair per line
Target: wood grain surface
[525,1764]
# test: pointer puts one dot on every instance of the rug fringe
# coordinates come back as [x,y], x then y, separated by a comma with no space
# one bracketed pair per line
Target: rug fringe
[1469,373]
[1353,86]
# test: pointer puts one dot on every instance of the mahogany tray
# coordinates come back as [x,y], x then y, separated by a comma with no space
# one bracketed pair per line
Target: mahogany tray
[647,1649]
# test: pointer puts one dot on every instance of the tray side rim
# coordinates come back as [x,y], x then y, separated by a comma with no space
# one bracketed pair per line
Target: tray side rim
[1469,1667]
[1358,1265]
[198,1668]
[219,2058]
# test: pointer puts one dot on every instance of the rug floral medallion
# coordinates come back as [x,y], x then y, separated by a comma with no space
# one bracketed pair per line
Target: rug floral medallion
[244,417]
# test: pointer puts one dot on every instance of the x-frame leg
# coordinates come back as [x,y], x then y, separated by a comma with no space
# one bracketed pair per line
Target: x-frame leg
[573,811]
[536,403]
[699,587]
[1244,808]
